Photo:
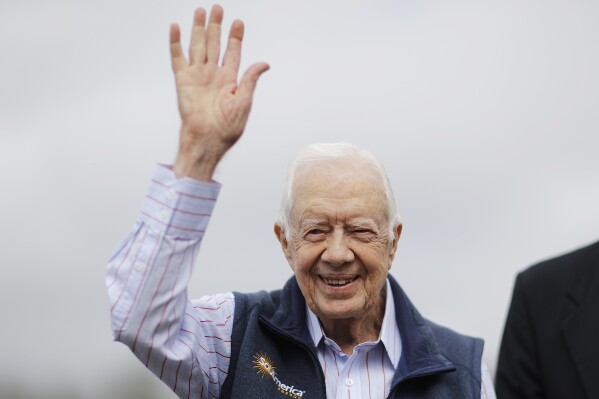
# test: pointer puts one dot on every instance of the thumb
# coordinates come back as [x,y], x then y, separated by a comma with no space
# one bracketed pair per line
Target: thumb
[247,85]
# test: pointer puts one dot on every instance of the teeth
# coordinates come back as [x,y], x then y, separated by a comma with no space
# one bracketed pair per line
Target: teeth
[332,281]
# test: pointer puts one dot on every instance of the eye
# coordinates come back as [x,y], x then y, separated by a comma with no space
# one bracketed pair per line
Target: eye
[363,234]
[315,234]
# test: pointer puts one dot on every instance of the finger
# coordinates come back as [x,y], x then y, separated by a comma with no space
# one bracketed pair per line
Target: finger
[178,60]
[213,34]
[247,85]
[197,46]
[232,56]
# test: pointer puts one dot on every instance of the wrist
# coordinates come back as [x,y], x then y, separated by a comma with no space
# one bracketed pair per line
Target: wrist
[197,160]
[194,170]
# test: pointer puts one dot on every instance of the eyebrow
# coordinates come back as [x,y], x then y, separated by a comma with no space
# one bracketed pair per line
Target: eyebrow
[361,222]
[352,223]
[312,222]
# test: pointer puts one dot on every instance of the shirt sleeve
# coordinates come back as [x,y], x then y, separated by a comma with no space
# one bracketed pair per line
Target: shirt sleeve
[187,344]
[487,391]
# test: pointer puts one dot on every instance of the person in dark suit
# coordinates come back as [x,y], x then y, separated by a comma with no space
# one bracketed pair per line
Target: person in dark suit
[550,346]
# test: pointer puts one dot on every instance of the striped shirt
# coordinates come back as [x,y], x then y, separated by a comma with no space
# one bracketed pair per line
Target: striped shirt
[187,343]
[367,373]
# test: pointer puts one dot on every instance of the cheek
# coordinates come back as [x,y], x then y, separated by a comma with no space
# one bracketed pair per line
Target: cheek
[300,265]
[380,254]
[304,258]
[377,264]
[295,255]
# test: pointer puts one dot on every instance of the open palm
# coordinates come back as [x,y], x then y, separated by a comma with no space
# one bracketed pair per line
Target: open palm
[214,107]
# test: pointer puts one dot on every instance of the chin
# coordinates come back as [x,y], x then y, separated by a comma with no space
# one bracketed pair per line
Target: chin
[341,311]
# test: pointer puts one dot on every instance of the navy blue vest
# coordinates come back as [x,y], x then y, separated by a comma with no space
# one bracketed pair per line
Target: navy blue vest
[270,332]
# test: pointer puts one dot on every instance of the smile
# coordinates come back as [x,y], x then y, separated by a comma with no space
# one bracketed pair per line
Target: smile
[338,282]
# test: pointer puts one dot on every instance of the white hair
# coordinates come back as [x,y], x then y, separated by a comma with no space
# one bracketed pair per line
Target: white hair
[328,153]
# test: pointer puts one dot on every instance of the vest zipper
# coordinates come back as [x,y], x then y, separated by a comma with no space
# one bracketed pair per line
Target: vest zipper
[302,345]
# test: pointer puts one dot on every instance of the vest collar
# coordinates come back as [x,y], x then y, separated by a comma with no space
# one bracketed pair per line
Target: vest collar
[420,354]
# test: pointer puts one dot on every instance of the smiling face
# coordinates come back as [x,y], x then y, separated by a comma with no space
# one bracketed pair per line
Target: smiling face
[338,244]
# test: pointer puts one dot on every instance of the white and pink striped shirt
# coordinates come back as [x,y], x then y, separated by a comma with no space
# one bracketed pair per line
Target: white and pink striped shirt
[187,344]
[367,373]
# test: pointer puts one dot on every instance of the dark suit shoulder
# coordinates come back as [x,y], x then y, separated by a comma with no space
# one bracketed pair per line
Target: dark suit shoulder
[562,271]
[535,359]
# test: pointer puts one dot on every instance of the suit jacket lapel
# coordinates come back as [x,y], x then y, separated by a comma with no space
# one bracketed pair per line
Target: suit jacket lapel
[581,326]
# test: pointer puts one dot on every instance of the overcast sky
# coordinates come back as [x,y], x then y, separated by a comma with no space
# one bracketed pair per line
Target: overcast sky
[483,112]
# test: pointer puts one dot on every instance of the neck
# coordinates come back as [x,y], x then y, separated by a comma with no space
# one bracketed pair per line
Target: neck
[348,333]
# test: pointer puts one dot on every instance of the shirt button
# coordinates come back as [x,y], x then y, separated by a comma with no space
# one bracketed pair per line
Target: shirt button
[172,190]
[140,266]
[327,343]
[349,382]
[163,214]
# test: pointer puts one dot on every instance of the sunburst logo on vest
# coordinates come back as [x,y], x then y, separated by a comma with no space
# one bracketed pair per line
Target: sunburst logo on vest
[266,367]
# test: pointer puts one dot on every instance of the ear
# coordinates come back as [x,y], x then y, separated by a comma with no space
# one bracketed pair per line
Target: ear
[280,233]
[394,243]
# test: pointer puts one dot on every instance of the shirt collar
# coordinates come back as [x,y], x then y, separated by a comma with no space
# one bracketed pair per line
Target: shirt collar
[390,336]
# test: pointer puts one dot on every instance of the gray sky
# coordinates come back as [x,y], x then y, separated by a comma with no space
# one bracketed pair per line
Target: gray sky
[483,113]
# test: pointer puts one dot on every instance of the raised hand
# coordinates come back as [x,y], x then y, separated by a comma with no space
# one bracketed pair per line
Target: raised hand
[214,107]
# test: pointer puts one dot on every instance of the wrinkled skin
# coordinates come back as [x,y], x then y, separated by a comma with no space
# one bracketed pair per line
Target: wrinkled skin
[339,232]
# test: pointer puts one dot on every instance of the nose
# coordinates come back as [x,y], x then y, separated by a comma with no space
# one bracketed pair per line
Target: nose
[337,251]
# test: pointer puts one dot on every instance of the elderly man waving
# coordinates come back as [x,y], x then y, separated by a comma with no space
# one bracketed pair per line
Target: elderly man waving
[340,328]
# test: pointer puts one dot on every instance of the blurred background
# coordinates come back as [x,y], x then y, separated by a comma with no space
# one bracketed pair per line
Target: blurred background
[483,113]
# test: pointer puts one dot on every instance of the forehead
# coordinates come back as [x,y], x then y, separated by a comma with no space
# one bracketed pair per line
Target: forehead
[353,190]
